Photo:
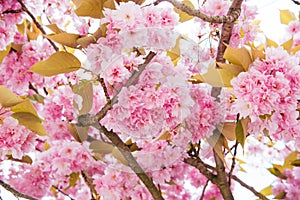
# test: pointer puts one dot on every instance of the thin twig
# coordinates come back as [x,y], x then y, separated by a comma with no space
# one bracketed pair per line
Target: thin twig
[203,191]
[62,192]
[233,163]
[90,184]
[197,13]
[15,192]
[38,25]
[101,80]
[12,11]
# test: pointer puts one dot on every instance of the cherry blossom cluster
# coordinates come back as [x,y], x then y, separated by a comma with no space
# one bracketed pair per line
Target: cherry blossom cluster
[54,167]
[289,185]
[15,139]
[268,94]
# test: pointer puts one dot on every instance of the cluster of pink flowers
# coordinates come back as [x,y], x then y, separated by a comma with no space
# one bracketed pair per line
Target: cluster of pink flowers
[14,74]
[53,167]
[289,185]
[154,104]
[206,113]
[15,139]
[268,94]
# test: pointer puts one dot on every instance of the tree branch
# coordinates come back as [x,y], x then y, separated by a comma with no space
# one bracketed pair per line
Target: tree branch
[132,163]
[227,30]
[15,192]
[230,18]
[222,178]
[234,177]
[38,25]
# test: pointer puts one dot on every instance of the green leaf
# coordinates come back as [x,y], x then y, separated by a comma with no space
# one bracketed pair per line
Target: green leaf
[183,16]
[240,133]
[85,89]
[276,172]
[4,53]
[67,39]
[238,56]
[289,159]
[58,63]
[8,98]
[287,16]
[74,177]
[31,122]
[91,8]
[281,195]
[296,163]
[101,147]
[267,191]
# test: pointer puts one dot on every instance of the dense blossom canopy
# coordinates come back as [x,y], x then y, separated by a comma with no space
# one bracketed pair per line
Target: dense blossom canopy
[109,99]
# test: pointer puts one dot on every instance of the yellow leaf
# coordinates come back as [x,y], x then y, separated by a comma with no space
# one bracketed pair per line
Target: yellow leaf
[67,39]
[80,134]
[32,31]
[26,106]
[8,98]
[91,8]
[109,4]
[174,53]
[295,49]
[296,163]
[289,159]
[17,47]
[165,136]
[101,147]
[288,44]
[257,53]
[238,56]
[287,16]
[46,146]
[54,28]
[217,141]
[31,122]
[228,130]
[4,53]
[74,177]
[214,77]
[267,191]
[77,2]
[58,63]
[231,68]
[271,43]
[24,159]
[183,16]
[119,156]
[85,90]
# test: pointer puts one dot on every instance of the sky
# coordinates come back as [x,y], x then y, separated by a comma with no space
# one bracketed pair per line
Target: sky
[268,13]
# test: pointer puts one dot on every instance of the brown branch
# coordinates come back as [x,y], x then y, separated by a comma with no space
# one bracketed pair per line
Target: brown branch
[234,177]
[222,178]
[132,163]
[198,163]
[12,11]
[38,25]
[230,18]
[227,30]
[15,192]
[203,191]
[233,163]
[90,184]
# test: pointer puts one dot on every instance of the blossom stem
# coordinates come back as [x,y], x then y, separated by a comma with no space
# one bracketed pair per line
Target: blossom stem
[38,25]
